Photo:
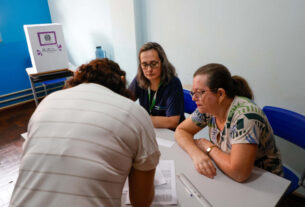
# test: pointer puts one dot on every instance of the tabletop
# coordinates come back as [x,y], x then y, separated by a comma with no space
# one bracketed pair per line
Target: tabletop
[261,189]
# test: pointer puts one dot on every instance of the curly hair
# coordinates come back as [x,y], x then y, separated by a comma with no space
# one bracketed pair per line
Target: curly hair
[168,71]
[104,72]
[220,77]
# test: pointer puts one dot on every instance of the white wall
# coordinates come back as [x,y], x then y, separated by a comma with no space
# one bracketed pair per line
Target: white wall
[263,41]
[87,24]
[124,35]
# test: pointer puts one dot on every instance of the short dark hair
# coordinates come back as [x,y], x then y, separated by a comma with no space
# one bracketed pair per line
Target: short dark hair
[168,71]
[104,72]
[220,77]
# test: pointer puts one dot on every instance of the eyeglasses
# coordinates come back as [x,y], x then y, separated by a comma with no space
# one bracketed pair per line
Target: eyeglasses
[198,94]
[152,65]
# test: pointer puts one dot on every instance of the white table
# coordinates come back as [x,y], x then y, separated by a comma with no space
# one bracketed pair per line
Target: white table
[261,189]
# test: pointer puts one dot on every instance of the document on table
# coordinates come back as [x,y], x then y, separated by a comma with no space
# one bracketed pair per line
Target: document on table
[165,193]
[24,135]
[165,142]
[159,180]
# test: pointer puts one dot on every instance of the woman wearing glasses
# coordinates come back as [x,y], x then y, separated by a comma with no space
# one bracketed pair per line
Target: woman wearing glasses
[158,88]
[240,134]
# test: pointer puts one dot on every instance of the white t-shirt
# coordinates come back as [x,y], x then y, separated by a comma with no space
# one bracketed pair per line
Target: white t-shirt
[82,144]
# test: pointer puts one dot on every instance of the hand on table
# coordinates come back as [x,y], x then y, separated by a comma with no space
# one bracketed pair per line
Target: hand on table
[204,164]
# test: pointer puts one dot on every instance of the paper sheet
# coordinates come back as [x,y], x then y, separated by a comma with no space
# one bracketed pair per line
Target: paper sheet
[165,194]
[165,142]
[9,169]
[159,180]
[24,135]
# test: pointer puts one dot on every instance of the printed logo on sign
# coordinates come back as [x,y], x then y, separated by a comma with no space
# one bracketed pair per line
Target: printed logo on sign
[47,38]
[39,52]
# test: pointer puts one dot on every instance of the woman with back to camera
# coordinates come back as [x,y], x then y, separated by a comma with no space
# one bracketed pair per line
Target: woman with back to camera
[158,88]
[240,134]
[84,141]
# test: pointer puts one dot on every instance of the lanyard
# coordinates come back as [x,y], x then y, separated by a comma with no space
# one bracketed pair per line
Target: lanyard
[153,102]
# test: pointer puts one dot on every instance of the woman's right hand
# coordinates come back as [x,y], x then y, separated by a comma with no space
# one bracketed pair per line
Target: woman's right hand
[204,164]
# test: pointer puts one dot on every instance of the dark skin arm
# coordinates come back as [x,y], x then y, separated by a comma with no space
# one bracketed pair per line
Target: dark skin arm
[141,187]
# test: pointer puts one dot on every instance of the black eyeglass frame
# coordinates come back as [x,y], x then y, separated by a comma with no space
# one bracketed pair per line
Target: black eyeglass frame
[152,65]
[201,92]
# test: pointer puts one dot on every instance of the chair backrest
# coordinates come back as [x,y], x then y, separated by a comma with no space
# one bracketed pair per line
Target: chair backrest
[287,124]
[290,126]
[189,104]
[53,81]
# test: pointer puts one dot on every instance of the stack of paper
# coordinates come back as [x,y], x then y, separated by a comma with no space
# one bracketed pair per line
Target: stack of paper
[165,184]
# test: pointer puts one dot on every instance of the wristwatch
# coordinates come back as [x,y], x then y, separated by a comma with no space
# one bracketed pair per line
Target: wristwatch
[209,149]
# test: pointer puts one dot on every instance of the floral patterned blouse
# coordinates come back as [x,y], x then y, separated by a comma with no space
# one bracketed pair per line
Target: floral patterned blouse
[246,123]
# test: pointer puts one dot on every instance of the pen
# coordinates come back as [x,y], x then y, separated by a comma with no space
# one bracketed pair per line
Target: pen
[192,190]
[188,191]
[184,185]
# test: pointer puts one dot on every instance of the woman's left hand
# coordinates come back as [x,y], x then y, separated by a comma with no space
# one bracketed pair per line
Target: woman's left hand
[203,144]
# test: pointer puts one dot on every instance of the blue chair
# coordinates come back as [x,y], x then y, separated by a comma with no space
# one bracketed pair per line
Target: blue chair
[290,126]
[51,82]
[189,104]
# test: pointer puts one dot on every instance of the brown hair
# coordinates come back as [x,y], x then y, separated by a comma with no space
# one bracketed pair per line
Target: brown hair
[104,72]
[220,77]
[168,71]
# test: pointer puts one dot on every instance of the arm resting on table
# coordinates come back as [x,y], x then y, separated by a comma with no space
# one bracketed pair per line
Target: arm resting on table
[238,164]
[184,135]
[170,122]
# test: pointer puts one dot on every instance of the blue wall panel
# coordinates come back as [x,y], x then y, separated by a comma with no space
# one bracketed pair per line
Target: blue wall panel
[14,55]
